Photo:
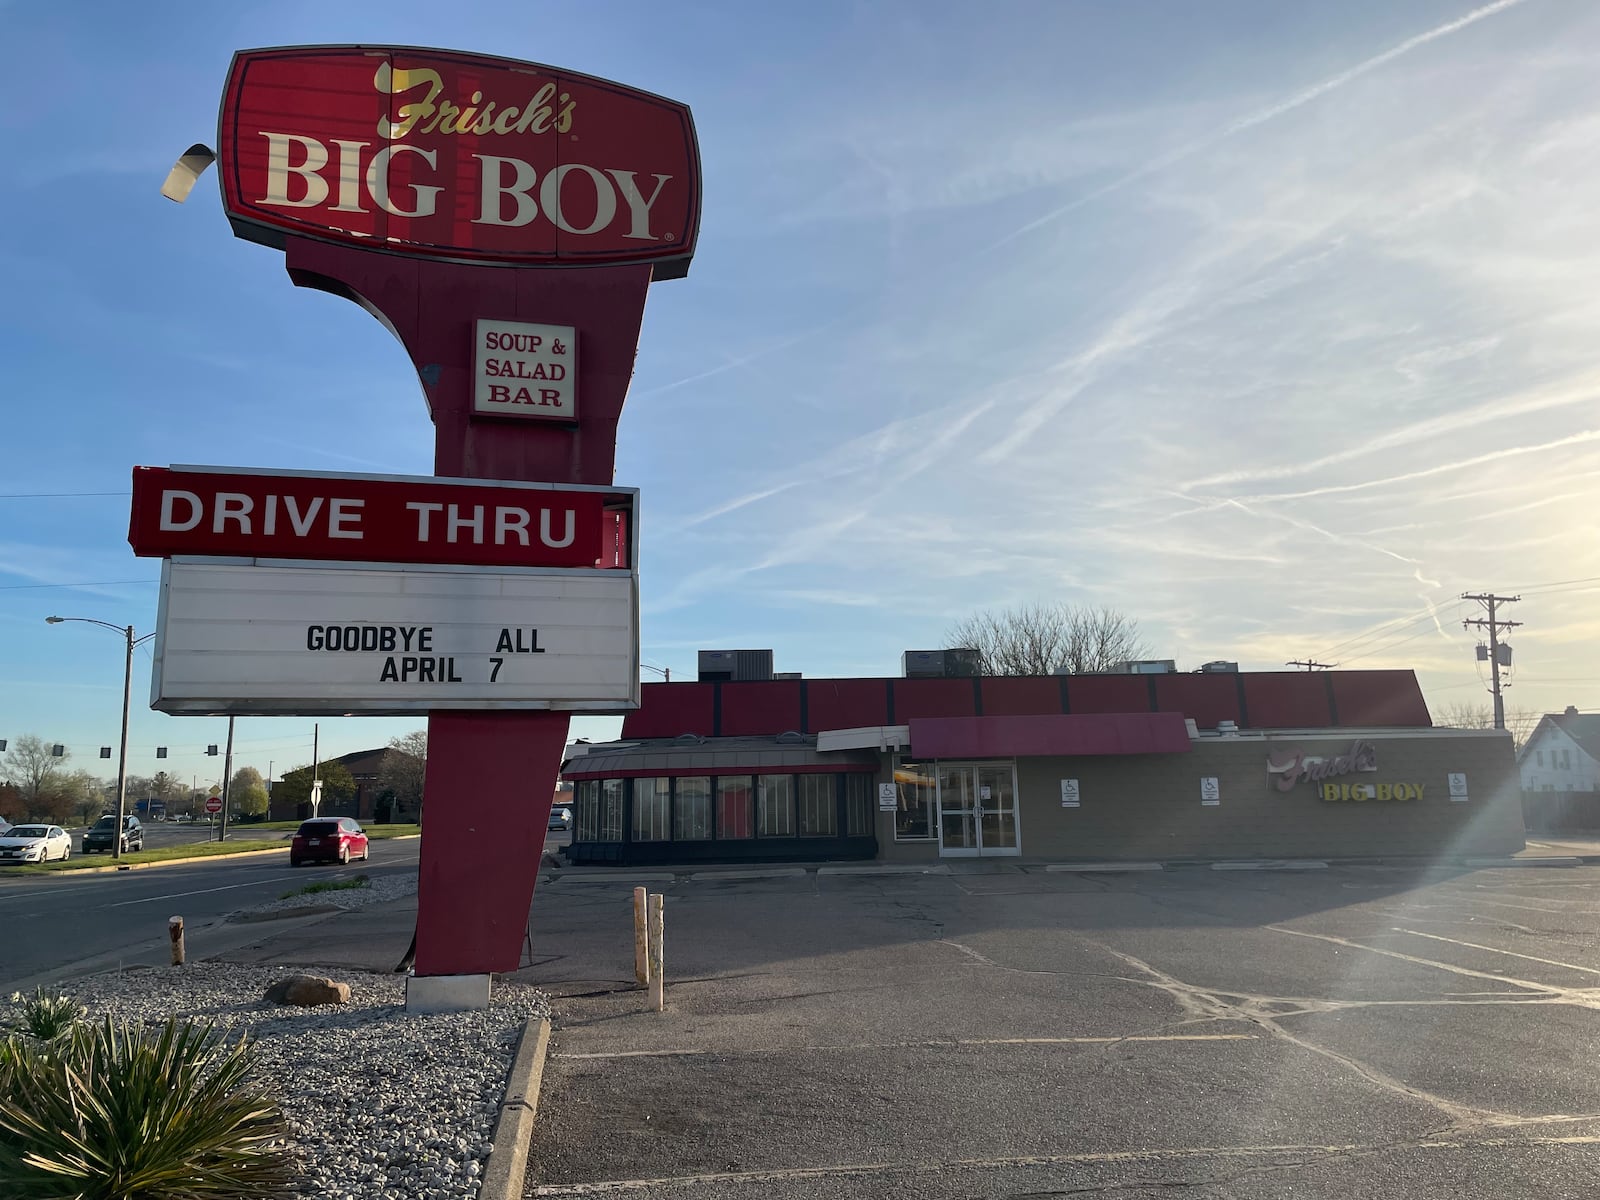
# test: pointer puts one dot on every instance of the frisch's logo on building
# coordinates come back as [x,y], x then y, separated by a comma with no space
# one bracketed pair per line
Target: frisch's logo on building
[440,154]
[1304,768]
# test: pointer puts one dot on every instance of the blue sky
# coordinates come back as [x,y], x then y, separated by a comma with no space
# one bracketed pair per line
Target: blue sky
[1273,326]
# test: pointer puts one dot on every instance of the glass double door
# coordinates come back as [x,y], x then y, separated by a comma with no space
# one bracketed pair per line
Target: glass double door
[978,809]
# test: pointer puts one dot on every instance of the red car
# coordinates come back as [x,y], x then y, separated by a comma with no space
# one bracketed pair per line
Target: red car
[328,839]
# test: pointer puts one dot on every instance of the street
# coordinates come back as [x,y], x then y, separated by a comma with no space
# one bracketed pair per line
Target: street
[68,922]
[1359,1030]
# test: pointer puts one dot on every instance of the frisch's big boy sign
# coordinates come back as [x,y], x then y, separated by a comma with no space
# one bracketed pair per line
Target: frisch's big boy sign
[457,156]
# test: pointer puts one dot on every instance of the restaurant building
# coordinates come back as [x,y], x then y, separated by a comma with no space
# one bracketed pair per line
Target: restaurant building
[1144,764]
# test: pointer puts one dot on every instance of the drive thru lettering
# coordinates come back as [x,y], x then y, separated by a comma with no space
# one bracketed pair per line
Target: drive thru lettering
[415,663]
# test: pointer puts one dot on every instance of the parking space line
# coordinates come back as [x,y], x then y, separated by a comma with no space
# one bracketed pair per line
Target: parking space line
[1104,1158]
[1424,962]
[1549,962]
[930,1043]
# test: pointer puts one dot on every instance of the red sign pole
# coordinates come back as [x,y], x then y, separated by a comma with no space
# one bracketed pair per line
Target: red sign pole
[491,775]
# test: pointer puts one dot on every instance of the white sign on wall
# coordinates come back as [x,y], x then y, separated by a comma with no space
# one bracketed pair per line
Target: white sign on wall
[1069,793]
[247,636]
[1210,791]
[887,799]
[1458,786]
[524,370]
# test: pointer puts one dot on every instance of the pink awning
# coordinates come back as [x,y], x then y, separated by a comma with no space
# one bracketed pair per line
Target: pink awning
[1049,736]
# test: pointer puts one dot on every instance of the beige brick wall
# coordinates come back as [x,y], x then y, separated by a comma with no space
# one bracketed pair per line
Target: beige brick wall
[1148,806]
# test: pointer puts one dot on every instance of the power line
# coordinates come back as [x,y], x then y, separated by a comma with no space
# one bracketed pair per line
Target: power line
[1386,647]
[1310,664]
[1381,629]
[17,587]
[56,495]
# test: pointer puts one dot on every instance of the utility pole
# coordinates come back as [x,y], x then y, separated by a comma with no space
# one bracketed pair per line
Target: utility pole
[227,782]
[1309,664]
[1494,626]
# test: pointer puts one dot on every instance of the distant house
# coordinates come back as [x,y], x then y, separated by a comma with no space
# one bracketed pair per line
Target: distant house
[371,801]
[1563,754]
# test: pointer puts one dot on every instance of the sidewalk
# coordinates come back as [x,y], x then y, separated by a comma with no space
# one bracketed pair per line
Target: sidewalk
[1578,845]
[364,939]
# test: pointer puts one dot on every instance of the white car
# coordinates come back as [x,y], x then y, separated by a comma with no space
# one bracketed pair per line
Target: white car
[35,843]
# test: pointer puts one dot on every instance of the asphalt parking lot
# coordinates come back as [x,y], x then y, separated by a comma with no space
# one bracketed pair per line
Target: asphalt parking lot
[1356,1031]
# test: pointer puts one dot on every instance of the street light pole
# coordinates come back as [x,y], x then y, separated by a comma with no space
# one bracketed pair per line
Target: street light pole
[127,689]
[122,750]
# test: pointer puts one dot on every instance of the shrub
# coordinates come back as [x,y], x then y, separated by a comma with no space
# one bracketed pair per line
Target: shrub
[46,1016]
[113,1112]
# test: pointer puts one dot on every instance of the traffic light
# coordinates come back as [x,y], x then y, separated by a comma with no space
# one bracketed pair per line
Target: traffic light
[105,751]
[211,750]
[161,751]
[58,751]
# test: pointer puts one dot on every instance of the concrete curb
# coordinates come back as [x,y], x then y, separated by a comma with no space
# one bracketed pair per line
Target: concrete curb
[513,1131]
[1272,864]
[889,869]
[1105,867]
[74,872]
[1547,861]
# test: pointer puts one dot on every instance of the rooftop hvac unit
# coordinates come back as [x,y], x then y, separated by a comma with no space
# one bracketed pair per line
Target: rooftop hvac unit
[1219,667]
[739,665]
[1146,666]
[787,675]
[961,662]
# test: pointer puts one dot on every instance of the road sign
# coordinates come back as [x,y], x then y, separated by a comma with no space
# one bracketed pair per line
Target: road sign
[243,637]
[213,804]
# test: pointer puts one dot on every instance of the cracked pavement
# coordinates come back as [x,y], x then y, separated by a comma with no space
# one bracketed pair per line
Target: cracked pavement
[1358,1031]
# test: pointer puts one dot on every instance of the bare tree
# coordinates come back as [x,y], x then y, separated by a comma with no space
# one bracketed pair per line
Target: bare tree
[36,773]
[403,772]
[1459,714]
[1038,639]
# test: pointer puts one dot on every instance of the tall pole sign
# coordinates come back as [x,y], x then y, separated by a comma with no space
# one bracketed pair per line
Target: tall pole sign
[504,220]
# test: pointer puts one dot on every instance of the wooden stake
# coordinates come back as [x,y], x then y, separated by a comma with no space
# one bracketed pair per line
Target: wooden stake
[658,981]
[641,938]
[175,932]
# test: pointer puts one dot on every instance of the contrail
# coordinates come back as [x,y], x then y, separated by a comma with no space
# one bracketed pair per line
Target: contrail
[1261,116]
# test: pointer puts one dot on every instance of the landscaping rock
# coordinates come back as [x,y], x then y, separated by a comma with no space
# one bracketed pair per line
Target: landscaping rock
[361,1082]
[307,991]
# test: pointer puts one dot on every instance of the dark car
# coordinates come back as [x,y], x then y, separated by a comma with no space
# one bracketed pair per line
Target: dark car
[328,839]
[103,833]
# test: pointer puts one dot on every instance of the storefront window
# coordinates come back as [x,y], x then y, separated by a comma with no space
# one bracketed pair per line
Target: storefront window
[818,806]
[611,810]
[916,791]
[858,796]
[587,817]
[691,815]
[652,810]
[733,806]
[775,806]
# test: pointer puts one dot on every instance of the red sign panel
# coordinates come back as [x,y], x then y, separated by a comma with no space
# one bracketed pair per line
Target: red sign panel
[395,520]
[213,804]
[458,156]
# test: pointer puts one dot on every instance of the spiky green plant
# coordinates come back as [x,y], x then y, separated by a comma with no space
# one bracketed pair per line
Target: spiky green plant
[117,1112]
[46,1015]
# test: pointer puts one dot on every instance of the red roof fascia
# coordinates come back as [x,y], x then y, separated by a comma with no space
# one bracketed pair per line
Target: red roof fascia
[1049,735]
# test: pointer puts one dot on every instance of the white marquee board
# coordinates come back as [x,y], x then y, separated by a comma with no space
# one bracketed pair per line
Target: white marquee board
[266,637]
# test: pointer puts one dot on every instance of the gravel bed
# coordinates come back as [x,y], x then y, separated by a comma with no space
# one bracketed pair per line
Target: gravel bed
[378,891]
[379,1102]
